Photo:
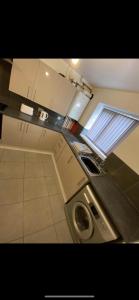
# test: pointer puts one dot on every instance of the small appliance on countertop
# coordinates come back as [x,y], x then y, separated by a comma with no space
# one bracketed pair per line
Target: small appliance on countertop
[26,109]
[43,115]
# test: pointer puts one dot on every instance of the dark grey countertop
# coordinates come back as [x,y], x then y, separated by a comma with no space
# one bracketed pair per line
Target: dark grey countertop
[122,214]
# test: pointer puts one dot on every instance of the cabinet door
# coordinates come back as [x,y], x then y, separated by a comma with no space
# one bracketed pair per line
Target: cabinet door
[31,135]
[23,75]
[12,131]
[71,173]
[53,91]
[48,140]
[60,143]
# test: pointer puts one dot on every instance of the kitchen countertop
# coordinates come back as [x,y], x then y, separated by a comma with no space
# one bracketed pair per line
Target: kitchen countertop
[123,215]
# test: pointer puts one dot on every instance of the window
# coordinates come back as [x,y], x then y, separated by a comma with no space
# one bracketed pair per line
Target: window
[110,127]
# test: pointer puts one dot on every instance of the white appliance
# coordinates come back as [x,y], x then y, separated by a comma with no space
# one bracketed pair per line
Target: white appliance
[26,109]
[87,220]
[43,115]
[78,105]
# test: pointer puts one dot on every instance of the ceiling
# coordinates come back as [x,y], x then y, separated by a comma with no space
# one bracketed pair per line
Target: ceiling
[120,74]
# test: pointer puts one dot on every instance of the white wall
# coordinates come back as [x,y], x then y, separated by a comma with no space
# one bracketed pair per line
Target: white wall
[128,150]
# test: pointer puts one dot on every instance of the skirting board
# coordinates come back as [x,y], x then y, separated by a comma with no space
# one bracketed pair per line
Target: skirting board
[59,179]
[24,149]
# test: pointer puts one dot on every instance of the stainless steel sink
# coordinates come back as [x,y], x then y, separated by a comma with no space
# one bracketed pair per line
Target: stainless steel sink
[90,165]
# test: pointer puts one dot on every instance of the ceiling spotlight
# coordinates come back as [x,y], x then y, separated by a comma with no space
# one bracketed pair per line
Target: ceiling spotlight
[46,73]
[75,61]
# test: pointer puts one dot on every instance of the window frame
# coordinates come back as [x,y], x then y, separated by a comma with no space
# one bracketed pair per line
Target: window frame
[98,110]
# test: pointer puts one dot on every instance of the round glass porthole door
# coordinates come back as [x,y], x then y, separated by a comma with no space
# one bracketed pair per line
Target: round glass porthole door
[82,220]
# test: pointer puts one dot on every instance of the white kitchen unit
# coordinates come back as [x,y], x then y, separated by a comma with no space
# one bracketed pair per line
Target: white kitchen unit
[23,76]
[33,79]
[59,145]
[31,135]
[12,130]
[72,175]
[26,135]
[19,133]
[52,90]
[47,140]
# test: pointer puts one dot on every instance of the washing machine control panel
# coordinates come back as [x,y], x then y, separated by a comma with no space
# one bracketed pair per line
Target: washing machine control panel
[101,219]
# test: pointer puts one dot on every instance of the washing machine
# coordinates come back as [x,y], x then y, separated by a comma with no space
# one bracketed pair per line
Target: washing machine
[87,220]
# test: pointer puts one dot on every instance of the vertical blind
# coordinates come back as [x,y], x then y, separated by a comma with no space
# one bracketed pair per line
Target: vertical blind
[109,129]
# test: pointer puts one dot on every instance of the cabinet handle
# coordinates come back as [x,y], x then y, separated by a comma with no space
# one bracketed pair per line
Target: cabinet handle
[27,128]
[21,124]
[34,95]
[28,91]
[81,181]
[70,159]
[41,133]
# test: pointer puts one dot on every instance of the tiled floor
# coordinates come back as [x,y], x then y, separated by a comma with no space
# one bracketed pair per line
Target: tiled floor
[31,202]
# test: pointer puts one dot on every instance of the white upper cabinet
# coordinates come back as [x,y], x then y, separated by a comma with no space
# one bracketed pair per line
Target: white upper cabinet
[52,90]
[33,79]
[23,75]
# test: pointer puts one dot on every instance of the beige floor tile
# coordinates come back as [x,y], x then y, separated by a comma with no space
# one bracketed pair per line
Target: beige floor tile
[11,191]
[1,151]
[11,170]
[11,222]
[63,233]
[33,169]
[45,157]
[32,157]
[58,186]
[34,188]
[37,215]
[46,236]
[51,186]
[19,241]
[12,156]
[57,208]
[49,169]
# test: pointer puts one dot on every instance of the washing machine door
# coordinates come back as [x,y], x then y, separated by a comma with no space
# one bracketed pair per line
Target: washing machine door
[82,221]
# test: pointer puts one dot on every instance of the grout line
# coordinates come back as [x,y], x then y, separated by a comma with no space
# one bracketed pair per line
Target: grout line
[37,231]
[15,240]
[5,204]
[44,228]
[55,178]
[23,198]
[56,233]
